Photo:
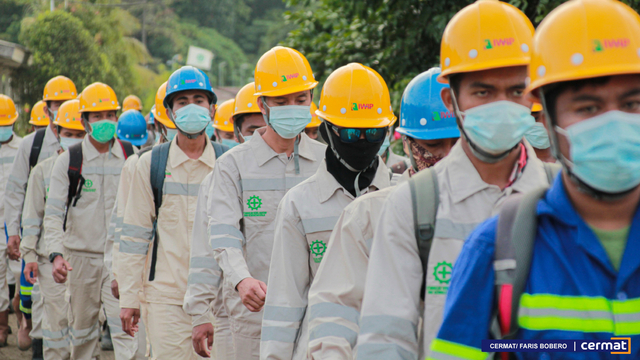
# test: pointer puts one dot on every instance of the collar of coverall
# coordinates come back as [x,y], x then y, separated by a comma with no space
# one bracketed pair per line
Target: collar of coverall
[177,156]
[465,181]
[89,152]
[329,185]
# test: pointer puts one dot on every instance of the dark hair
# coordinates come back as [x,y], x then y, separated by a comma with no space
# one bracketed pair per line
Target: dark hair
[238,120]
[454,82]
[551,92]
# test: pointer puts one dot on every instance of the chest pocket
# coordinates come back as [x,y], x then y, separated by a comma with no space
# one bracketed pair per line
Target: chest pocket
[318,232]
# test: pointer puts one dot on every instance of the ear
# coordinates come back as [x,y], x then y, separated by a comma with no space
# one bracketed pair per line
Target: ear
[445,95]
[261,105]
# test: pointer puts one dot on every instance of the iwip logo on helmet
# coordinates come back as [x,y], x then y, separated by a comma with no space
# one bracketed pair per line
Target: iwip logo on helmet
[289,77]
[189,81]
[600,45]
[491,43]
[356,107]
[439,115]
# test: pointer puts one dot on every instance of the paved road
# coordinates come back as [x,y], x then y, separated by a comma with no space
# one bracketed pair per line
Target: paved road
[13,353]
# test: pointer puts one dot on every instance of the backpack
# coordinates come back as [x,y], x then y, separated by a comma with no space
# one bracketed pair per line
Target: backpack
[425,200]
[36,147]
[159,157]
[76,180]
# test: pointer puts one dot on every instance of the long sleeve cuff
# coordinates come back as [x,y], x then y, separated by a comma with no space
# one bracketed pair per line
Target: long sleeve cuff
[13,230]
[29,256]
[129,301]
[197,320]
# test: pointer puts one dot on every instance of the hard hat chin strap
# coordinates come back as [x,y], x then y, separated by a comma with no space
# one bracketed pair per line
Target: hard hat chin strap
[568,164]
[475,149]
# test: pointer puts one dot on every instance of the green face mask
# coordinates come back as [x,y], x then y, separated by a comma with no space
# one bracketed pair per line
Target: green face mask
[103,131]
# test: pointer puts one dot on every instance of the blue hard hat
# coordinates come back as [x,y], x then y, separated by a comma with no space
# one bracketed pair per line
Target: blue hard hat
[188,78]
[132,127]
[151,120]
[422,113]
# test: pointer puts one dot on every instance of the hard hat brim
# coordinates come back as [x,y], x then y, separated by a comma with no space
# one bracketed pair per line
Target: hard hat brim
[287,91]
[432,134]
[137,142]
[39,123]
[487,65]
[100,108]
[164,120]
[315,122]
[9,121]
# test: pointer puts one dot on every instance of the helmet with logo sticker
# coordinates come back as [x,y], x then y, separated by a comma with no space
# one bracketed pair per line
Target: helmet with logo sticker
[422,113]
[59,88]
[98,97]
[485,35]
[282,71]
[223,120]
[8,111]
[69,115]
[188,78]
[132,127]
[599,45]
[356,96]
[38,116]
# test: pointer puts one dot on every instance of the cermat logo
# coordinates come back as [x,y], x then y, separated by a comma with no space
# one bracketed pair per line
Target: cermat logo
[491,43]
[356,107]
[617,345]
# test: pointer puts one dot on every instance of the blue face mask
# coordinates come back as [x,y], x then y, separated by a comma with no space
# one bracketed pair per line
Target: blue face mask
[604,151]
[538,137]
[498,126]
[171,133]
[66,142]
[209,130]
[192,119]
[5,133]
[229,143]
[288,121]
[385,146]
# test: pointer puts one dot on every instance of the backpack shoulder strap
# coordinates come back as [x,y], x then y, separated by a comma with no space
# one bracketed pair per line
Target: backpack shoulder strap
[76,180]
[36,147]
[551,170]
[127,148]
[425,199]
[219,149]
[159,157]
[515,237]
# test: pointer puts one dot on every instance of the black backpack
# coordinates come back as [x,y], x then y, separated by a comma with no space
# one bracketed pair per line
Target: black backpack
[76,180]
[159,157]
[36,147]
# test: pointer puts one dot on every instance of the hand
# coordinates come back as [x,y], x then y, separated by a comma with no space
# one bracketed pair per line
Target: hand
[252,292]
[130,318]
[114,289]
[13,247]
[31,268]
[202,337]
[60,269]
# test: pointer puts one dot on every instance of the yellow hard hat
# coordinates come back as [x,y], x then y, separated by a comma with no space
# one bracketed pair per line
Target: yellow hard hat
[8,111]
[315,120]
[537,107]
[583,39]
[60,88]
[98,97]
[131,102]
[223,120]
[69,115]
[356,96]
[38,116]
[160,112]
[485,35]
[246,102]
[282,71]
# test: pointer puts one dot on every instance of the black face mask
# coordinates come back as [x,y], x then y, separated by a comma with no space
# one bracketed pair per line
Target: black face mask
[349,153]
[359,155]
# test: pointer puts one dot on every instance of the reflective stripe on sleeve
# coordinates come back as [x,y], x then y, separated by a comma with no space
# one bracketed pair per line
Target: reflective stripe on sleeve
[447,350]
[131,247]
[138,232]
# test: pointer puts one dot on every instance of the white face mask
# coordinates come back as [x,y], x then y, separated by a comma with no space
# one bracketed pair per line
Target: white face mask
[66,142]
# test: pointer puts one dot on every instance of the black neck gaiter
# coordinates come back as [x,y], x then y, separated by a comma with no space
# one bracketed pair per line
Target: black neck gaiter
[358,155]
